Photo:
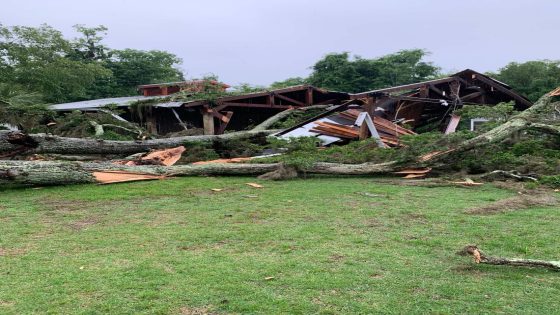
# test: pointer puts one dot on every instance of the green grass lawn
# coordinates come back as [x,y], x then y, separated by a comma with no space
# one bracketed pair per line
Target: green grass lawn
[303,246]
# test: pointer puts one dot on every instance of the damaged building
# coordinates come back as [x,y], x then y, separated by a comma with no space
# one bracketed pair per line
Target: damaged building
[163,109]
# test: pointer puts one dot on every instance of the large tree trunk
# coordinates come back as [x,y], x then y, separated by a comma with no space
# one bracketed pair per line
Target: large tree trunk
[17,142]
[528,119]
[63,173]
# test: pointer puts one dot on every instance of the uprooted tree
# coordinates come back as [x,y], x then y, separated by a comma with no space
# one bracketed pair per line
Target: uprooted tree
[540,117]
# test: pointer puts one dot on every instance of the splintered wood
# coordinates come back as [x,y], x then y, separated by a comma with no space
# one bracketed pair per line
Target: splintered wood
[111,177]
[233,160]
[555,92]
[389,132]
[166,157]
[413,173]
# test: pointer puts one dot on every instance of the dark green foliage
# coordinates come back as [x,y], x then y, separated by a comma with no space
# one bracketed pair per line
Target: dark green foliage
[199,152]
[295,118]
[37,59]
[42,61]
[304,151]
[532,78]
[552,181]
[496,115]
[337,71]
[131,67]
[22,109]
[532,154]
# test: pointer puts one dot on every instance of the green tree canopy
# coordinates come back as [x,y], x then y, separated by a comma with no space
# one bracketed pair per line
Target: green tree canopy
[36,59]
[41,60]
[288,82]
[338,71]
[532,78]
[131,67]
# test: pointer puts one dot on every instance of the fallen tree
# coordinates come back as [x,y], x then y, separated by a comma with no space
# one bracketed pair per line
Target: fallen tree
[43,173]
[15,142]
[65,173]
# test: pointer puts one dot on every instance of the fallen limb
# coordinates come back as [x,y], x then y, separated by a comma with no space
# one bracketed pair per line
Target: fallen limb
[481,258]
[15,141]
[499,174]
[283,114]
[100,129]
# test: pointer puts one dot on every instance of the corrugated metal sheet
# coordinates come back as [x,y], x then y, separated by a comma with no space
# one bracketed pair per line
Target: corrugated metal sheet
[118,101]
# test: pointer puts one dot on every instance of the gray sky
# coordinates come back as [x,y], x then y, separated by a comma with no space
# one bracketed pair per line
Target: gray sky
[260,41]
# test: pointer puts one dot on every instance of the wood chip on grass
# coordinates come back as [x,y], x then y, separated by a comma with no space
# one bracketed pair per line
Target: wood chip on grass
[254,185]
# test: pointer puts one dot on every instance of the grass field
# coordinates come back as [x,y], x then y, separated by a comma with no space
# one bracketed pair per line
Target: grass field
[315,246]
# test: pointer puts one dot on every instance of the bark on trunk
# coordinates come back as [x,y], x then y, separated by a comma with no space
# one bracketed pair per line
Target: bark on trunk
[64,173]
[11,141]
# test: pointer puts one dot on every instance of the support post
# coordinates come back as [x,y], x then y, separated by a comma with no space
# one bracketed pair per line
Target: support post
[309,96]
[208,121]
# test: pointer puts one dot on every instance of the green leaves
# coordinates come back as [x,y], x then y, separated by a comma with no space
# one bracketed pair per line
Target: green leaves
[63,70]
[339,72]
[532,78]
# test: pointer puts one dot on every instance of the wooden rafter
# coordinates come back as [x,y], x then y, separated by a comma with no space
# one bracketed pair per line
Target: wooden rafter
[289,99]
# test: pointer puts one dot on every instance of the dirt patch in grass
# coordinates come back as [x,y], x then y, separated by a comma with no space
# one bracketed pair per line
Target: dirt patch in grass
[196,311]
[82,224]
[519,202]
[6,303]
[336,258]
[64,205]
[11,251]
[415,217]
[204,247]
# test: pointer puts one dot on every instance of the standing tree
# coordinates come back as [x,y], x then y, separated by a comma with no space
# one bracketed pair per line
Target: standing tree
[338,71]
[532,78]
[133,67]
[37,60]
[40,60]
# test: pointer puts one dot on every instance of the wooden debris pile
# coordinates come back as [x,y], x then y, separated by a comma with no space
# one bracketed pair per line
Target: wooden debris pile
[166,157]
[345,128]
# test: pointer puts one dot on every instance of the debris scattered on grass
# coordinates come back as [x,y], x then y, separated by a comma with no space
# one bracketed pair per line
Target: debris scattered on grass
[196,311]
[414,172]
[468,182]
[254,185]
[269,278]
[216,189]
[370,194]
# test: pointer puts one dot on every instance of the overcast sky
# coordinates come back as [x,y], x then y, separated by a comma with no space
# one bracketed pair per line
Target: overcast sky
[261,41]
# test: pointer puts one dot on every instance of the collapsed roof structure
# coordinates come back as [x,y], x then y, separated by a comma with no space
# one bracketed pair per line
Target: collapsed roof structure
[433,101]
[419,104]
